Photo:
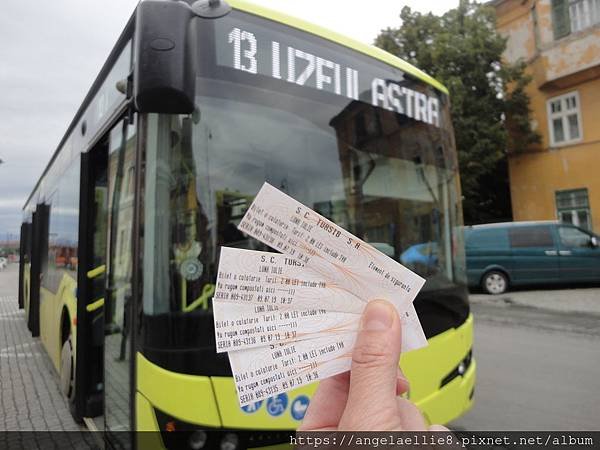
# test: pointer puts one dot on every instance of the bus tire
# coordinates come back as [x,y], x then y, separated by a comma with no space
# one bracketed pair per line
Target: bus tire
[67,370]
[494,282]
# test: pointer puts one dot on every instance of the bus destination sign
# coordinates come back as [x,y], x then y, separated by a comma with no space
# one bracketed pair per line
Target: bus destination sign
[259,50]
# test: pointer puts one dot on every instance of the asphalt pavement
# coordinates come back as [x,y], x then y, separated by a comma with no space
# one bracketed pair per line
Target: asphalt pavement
[538,367]
[580,299]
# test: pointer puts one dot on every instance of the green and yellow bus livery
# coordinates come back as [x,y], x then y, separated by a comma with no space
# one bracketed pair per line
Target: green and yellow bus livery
[198,104]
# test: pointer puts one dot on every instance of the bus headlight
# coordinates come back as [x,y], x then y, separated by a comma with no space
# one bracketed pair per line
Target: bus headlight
[229,442]
[459,370]
[197,440]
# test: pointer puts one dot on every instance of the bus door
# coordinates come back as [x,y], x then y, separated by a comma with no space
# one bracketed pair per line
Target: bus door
[39,259]
[118,362]
[24,258]
[91,282]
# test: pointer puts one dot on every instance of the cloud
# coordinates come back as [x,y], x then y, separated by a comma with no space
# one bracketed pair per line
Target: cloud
[11,203]
[51,55]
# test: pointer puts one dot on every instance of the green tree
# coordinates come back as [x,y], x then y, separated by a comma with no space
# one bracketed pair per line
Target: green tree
[463,50]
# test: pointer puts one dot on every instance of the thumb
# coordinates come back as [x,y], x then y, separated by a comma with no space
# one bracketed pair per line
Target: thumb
[374,372]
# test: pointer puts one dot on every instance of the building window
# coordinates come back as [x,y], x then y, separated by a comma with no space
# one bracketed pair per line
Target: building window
[573,206]
[564,119]
[570,16]
[560,18]
[583,14]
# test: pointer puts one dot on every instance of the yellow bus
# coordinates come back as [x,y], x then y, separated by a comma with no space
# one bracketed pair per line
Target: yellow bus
[198,104]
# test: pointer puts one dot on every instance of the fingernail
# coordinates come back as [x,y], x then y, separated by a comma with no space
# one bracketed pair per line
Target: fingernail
[378,315]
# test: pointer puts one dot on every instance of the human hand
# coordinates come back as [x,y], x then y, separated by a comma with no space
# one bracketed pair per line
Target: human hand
[367,397]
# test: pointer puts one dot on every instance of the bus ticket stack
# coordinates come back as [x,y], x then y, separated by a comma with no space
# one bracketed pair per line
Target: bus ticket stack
[289,319]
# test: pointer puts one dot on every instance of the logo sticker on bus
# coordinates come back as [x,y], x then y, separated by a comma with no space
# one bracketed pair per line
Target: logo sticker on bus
[277,405]
[252,407]
[299,407]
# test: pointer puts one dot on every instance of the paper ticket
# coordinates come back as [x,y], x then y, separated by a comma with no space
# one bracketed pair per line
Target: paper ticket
[263,298]
[249,276]
[287,225]
[267,371]
[238,326]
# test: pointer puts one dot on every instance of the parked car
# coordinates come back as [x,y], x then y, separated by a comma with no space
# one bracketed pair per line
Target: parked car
[529,253]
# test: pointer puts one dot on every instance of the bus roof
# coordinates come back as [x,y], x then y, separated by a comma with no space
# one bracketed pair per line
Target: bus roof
[338,38]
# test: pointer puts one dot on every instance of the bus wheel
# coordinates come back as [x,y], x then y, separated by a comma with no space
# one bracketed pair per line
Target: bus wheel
[67,370]
[494,282]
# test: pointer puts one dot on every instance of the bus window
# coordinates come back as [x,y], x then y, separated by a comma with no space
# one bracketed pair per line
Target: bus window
[199,188]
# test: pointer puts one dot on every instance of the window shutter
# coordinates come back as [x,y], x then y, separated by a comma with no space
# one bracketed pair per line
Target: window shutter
[560,18]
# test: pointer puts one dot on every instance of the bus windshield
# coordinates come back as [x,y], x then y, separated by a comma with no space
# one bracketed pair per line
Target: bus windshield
[387,177]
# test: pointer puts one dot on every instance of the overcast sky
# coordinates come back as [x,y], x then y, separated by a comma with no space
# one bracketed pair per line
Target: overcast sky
[51,52]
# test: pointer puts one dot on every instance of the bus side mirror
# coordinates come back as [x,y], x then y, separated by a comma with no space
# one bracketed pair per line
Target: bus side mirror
[594,241]
[163,79]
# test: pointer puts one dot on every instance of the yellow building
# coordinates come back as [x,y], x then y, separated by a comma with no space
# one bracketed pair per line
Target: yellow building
[560,42]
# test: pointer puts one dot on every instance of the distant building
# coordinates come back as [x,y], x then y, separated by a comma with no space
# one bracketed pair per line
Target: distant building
[560,42]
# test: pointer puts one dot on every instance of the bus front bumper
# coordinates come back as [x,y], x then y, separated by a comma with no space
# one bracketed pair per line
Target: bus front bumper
[451,401]
[442,379]
[442,375]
